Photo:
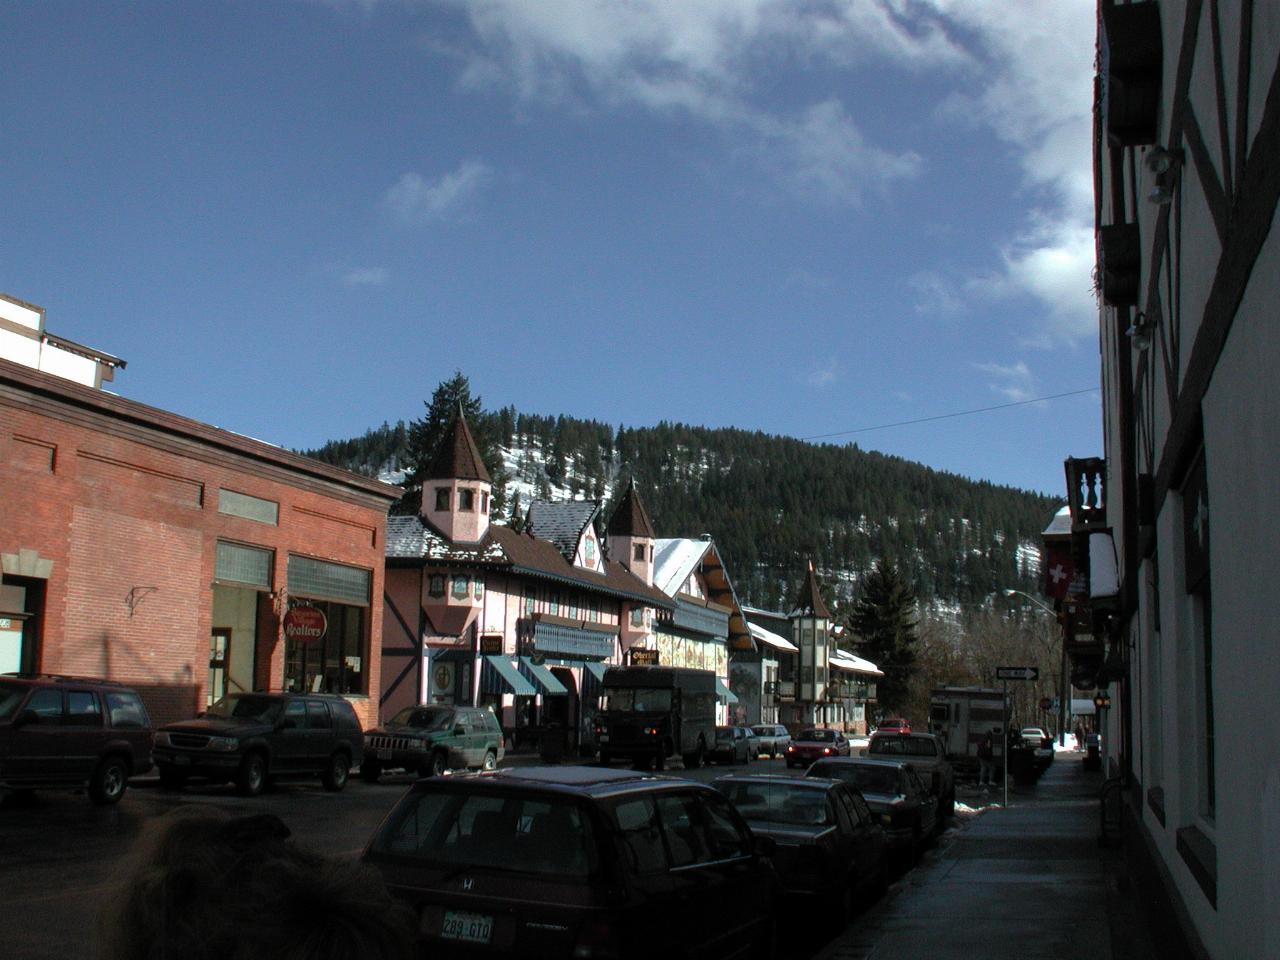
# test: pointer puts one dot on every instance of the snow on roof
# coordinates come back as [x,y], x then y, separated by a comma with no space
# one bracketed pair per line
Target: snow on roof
[771,638]
[674,560]
[845,660]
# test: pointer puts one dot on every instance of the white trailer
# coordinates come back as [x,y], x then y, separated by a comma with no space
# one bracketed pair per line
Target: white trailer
[962,716]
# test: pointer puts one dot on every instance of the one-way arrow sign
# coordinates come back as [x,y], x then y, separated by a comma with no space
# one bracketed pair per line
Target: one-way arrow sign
[1017,673]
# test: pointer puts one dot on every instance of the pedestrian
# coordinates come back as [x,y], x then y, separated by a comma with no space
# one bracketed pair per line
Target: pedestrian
[986,761]
[1079,737]
[206,886]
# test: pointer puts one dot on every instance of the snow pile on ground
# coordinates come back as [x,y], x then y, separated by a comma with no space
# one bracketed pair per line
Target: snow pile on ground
[964,810]
[1067,747]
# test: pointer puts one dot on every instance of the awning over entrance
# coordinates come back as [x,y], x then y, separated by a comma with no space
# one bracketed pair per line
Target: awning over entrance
[724,693]
[499,675]
[542,678]
[597,670]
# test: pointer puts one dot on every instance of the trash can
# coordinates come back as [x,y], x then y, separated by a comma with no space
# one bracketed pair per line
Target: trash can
[552,744]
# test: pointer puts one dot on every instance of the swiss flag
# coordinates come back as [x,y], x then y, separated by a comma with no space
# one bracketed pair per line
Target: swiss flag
[1059,571]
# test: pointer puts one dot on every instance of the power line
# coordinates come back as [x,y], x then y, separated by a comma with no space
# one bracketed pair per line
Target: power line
[948,416]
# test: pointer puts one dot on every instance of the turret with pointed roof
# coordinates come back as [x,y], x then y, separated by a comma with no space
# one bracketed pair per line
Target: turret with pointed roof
[455,495]
[631,540]
[809,601]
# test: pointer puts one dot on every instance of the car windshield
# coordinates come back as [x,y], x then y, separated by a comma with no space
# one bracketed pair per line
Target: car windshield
[424,718]
[904,746]
[763,731]
[1033,732]
[247,707]
[11,695]
[511,833]
[821,735]
[639,699]
[788,804]
[866,778]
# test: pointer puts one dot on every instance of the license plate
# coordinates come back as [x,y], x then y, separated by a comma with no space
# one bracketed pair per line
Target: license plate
[604,738]
[181,760]
[471,927]
[384,754]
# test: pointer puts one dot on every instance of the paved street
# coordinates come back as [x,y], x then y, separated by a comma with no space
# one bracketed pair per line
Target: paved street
[60,857]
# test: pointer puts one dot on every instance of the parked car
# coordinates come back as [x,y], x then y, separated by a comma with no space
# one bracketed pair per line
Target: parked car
[753,743]
[561,862]
[249,738]
[774,738]
[72,732]
[433,739]
[830,846]
[928,756]
[731,745]
[894,725]
[1041,745]
[893,791]
[815,744]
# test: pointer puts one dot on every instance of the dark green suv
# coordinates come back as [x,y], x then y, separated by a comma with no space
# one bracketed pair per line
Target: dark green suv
[432,739]
[248,738]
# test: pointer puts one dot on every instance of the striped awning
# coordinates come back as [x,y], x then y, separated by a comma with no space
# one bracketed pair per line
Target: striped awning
[542,678]
[499,675]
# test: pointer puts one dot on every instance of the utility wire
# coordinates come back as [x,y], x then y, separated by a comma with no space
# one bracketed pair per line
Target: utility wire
[948,416]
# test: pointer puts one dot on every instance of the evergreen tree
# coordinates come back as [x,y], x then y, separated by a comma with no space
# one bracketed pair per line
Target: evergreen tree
[425,435]
[883,620]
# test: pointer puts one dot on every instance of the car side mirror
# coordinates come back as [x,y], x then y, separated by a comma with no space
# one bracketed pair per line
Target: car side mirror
[765,846]
[25,717]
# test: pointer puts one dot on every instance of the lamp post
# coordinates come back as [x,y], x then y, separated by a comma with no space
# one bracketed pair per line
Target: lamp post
[1064,686]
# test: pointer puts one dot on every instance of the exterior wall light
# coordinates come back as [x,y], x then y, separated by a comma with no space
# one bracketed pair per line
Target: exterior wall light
[1164,165]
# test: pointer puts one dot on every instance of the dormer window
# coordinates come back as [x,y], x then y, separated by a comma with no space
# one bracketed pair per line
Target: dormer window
[442,498]
[638,553]
[589,551]
[466,499]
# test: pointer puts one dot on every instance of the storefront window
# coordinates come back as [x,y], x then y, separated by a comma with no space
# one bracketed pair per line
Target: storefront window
[335,663]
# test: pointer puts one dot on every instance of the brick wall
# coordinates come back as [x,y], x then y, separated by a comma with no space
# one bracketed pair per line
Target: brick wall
[128,515]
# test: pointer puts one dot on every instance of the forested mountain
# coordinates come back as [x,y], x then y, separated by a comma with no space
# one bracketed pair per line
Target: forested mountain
[770,502]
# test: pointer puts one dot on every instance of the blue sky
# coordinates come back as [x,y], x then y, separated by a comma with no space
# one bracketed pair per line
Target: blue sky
[293,219]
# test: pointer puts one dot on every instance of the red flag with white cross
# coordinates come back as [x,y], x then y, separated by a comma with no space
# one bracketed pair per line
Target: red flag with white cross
[1059,571]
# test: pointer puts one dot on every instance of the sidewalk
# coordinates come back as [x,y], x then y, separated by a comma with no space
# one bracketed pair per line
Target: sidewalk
[1026,882]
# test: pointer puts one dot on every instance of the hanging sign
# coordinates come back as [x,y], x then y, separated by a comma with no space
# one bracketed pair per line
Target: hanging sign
[305,624]
[640,657]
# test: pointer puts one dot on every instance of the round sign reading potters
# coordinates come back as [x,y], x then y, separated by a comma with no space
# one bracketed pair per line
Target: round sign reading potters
[305,624]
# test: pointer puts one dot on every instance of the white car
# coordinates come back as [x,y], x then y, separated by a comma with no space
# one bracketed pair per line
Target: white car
[774,738]
[1039,741]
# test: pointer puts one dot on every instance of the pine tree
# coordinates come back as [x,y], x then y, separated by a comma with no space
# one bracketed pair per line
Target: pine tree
[883,620]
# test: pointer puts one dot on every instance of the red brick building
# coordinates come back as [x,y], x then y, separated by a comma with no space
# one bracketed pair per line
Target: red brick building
[142,546]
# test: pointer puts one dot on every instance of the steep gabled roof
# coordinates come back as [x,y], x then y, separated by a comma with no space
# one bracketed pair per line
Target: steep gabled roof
[458,457]
[809,600]
[630,519]
[562,523]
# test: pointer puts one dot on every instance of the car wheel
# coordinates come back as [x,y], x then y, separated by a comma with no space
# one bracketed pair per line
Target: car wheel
[171,779]
[439,763]
[109,781]
[490,761]
[606,758]
[252,775]
[336,773]
[370,771]
[659,759]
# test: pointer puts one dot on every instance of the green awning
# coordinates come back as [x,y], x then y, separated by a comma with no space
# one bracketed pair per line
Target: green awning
[724,693]
[507,677]
[542,678]
[597,669]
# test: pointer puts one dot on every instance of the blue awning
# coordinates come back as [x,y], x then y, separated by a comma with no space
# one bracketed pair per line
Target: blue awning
[724,693]
[499,675]
[542,678]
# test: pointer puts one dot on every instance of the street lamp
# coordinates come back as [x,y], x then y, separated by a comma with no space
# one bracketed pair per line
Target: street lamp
[1064,688]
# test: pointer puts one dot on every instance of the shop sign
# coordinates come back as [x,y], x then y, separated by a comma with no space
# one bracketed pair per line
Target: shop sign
[641,657]
[490,643]
[305,624]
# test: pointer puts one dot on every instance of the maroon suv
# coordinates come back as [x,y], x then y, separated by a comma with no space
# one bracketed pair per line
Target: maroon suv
[71,732]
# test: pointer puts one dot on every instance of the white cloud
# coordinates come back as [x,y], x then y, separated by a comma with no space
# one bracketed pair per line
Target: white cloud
[414,199]
[1014,382]
[366,277]
[823,375]
[935,296]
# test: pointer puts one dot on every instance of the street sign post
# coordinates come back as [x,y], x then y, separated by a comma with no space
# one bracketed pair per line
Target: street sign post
[1017,673]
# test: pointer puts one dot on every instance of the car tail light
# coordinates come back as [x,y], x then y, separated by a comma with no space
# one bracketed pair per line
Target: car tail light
[597,941]
[790,749]
[826,749]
